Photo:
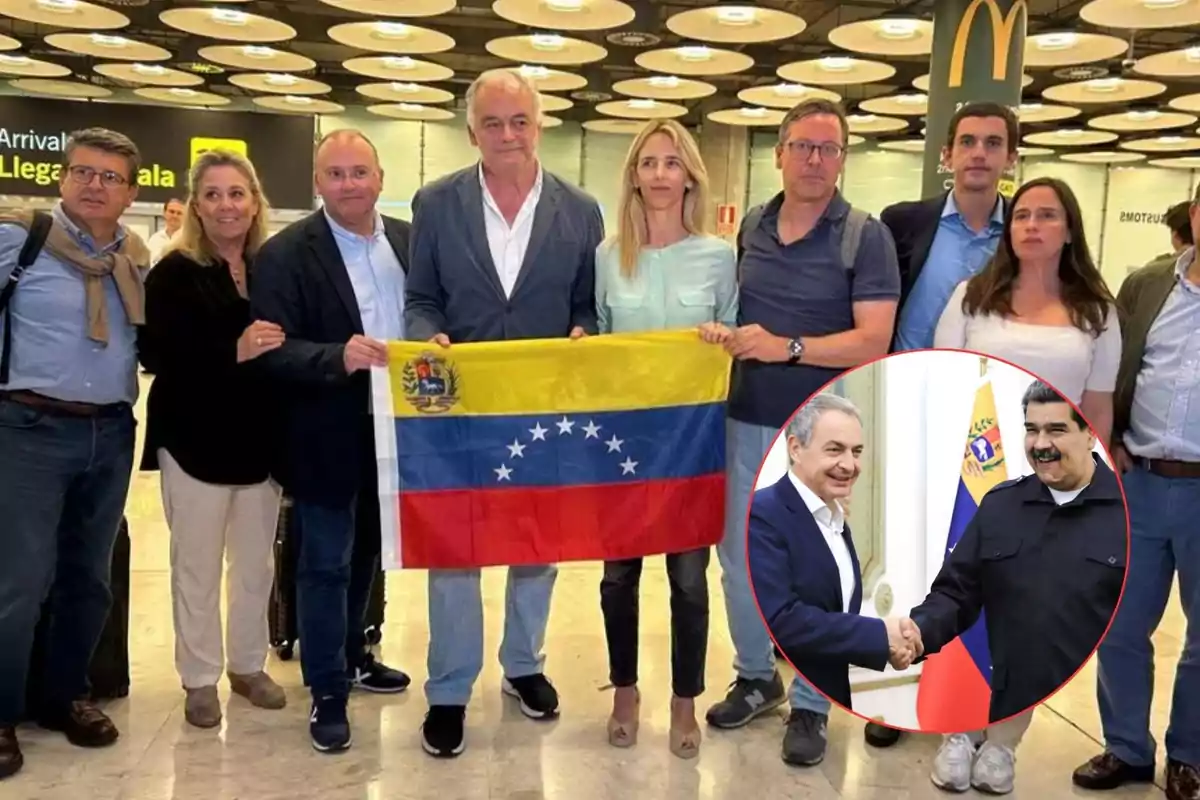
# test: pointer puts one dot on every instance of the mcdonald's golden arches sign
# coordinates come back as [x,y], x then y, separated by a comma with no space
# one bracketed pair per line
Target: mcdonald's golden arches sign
[1003,28]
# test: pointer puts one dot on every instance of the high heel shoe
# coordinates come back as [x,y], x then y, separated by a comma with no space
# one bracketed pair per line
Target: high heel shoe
[684,743]
[624,733]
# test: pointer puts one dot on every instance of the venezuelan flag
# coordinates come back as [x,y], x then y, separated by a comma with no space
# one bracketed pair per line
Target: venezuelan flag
[955,690]
[542,451]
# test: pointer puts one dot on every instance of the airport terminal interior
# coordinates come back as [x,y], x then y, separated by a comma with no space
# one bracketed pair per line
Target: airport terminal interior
[1108,96]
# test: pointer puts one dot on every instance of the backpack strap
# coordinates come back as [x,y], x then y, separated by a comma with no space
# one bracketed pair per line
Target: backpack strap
[852,234]
[39,229]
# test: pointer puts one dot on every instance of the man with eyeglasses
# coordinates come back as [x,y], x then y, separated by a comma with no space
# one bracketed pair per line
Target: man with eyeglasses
[70,296]
[818,289]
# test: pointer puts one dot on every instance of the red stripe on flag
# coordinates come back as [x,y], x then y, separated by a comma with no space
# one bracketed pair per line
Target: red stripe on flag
[952,696]
[547,525]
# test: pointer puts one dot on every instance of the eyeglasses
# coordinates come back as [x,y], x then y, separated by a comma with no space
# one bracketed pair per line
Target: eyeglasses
[805,149]
[84,175]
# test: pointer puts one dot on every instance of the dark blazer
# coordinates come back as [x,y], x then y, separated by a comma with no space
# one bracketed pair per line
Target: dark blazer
[1139,302]
[205,409]
[914,225]
[453,286]
[1046,577]
[325,430]
[799,591]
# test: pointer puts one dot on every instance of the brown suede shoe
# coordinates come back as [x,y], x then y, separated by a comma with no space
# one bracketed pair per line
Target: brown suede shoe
[1183,781]
[203,707]
[260,689]
[84,724]
[11,759]
[1106,771]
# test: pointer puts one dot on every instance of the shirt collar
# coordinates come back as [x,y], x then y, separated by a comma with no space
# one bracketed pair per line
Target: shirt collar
[537,182]
[837,209]
[349,235]
[83,237]
[817,507]
[950,209]
[1184,262]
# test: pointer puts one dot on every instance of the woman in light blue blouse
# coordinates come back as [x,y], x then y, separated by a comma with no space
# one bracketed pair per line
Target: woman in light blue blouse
[662,271]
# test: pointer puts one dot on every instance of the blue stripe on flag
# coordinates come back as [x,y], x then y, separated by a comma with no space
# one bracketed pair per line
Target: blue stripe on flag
[975,637]
[495,452]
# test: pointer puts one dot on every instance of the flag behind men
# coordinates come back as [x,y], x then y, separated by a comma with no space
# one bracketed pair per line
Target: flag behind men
[543,451]
[955,691]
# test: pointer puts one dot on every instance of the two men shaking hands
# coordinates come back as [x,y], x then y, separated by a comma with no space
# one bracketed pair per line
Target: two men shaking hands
[904,642]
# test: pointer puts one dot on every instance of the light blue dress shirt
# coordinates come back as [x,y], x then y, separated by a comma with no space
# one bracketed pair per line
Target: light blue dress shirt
[51,352]
[678,286]
[1165,418]
[957,254]
[377,278]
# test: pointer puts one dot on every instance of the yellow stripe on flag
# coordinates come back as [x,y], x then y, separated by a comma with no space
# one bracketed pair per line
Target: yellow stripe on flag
[614,372]
[983,460]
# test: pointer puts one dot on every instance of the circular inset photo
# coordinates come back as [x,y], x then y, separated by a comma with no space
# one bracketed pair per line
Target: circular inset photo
[937,542]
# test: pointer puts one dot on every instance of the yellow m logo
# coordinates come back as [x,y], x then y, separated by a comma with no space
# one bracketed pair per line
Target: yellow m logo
[1003,28]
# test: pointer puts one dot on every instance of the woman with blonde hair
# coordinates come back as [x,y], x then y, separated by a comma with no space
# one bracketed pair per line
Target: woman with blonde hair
[206,432]
[661,271]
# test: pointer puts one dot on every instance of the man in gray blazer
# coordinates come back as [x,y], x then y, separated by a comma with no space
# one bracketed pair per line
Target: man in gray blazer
[500,250]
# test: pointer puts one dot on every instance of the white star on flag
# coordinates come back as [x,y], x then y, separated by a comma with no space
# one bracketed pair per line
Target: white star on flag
[502,473]
[614,444]
[517,449]
[564,426]
[539,433]
[629,466]
[592,430]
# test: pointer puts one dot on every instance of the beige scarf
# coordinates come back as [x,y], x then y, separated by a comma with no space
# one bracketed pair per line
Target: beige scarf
[124,265]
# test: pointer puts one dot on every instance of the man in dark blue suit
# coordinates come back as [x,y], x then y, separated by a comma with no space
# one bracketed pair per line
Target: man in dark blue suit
[804,569]
[500,250]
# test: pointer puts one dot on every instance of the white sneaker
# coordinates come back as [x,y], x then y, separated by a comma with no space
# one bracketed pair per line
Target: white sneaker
[994,769]
[952,764]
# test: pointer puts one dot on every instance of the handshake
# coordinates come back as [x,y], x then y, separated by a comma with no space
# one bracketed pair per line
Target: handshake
[904,642]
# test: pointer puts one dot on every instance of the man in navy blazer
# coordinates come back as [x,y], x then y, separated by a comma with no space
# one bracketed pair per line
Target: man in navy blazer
[804,569]
[500,250]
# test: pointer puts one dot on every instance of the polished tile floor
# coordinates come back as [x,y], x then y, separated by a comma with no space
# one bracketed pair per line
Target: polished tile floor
[265,755]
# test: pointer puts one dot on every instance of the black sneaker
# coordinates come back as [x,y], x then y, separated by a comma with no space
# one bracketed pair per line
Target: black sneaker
[877,734]
[442,731]
[539,699]
[804,741]
[375,676]
[746,700]
[328,725]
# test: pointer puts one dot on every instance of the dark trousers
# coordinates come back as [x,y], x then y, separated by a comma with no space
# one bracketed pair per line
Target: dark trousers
[63,484]
[338,560]
[687,575]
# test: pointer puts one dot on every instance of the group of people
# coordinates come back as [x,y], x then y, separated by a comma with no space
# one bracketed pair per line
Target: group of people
[262,350]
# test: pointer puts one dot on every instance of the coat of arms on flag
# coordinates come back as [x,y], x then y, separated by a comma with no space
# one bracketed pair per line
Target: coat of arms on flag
[540,451]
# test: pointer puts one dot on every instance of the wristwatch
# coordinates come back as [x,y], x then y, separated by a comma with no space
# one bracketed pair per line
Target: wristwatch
[795,350]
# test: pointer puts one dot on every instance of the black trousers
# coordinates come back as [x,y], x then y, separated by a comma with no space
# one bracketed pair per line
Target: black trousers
[688,577]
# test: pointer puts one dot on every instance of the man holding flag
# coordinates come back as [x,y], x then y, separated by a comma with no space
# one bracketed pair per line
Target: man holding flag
[1043,558]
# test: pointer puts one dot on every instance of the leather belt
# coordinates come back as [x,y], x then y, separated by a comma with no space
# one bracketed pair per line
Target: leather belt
[1172,469]
[62,407]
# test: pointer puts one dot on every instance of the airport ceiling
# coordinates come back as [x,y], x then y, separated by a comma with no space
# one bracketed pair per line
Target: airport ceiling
[1111,70]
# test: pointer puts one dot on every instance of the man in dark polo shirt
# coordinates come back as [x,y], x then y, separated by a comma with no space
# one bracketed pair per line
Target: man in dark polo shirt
[819,285]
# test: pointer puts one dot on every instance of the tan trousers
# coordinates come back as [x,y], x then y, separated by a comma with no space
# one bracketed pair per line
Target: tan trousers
[1008,733]
[210,523]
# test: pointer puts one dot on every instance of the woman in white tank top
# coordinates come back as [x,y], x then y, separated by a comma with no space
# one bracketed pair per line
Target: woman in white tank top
[1042,304]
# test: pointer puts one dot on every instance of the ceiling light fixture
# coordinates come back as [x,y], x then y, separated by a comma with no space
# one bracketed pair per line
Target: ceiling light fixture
[280,79]
[1159,5]
[694,53]
[258,51]
[103,40]
[227,16]
[837,64]
[753,112]
[568,6]
[791,89]
[898,28]
[643,103]
[149,69]
[399,62]
[15,61]
[1056,41]
[547,41]
[911,99]
[1192,54]
[1070,133]
[736,15]
[1103,84]
[863,119]
[663,81]
[1031,106]
[533,72]
[392,30]
[1142,116]
[297,100]
[406,88]
[409,107]
[183,92]
[1170,139]
[59,6]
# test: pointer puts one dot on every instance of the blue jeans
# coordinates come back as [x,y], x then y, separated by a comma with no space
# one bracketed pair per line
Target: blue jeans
[338,561]
[456,629]
[1164,538]
[746,446]
[63,483]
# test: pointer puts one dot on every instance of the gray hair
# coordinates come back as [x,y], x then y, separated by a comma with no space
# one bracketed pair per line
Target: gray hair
[503,76]
[806,418]
[106,141]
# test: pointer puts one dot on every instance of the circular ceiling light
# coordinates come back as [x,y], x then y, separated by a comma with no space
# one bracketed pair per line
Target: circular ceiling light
[546,48]
[107,46]
[893,36]
[256,58]
[398,38]
[148,74]
[74,14]
[395,8]
[735,24]
[566,15]
[694,61]
[836,71]
[1141,14]
[227,24]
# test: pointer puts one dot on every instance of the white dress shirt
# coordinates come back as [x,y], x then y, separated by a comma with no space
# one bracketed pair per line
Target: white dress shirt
[832,525]
[508,243]
[376,277]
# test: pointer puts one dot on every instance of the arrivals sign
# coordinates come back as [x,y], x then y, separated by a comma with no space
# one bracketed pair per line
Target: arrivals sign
[34,134]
